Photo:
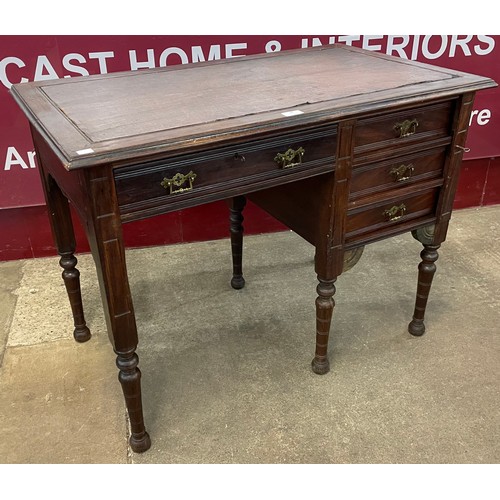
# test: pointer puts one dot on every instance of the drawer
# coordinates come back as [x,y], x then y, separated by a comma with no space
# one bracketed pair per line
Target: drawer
[400,171]
[217,173]
[403,127]
[393,212]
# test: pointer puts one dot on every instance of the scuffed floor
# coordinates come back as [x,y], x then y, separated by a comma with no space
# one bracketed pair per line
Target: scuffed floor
[226,374]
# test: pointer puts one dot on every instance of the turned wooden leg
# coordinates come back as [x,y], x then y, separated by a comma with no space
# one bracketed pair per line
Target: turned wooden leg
[106,241]
[71,277]
[236,206]
[324,311]
[64,237]
[426,270]
[130,379]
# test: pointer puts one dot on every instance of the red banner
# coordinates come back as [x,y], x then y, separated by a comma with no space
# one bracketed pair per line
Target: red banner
[28,58]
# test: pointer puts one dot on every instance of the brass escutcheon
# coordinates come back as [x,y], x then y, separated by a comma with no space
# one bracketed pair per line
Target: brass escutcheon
[175,183]
[395,212]
[290,158]
[406,128]
[403,172]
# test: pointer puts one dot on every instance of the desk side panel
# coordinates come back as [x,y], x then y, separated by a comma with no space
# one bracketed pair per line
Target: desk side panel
[453,164]
[70,183]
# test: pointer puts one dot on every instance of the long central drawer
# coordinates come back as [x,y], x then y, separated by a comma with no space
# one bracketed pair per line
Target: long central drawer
[219,173]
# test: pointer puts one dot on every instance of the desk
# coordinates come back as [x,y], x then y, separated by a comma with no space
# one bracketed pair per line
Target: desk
[344,146]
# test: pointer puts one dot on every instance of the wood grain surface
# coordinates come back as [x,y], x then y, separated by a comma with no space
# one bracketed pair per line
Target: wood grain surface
[118,116]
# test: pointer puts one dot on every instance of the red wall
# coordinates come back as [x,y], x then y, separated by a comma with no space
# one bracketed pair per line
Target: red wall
[24,228]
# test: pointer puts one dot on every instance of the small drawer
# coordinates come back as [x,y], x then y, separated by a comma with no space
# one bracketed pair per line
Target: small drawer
[400,128]
[401,171]
[203,174]
[396,211]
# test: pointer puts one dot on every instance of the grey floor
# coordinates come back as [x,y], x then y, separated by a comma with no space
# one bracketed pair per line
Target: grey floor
[226,374]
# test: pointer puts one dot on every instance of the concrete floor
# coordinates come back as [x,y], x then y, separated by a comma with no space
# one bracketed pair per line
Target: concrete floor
[226,374]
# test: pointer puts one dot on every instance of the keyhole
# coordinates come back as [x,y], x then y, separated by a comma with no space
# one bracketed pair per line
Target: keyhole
[237,156]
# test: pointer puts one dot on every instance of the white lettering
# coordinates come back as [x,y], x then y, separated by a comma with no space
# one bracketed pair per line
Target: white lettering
[414,50]
[316,42]
[460,42]
[43,64]
[198,55]
[435,46]
[434,55]
[3,70]
[482,117]
[134,64]
[13,158]
[490,45]
[71,67]
[273,46]
[348,39]
[101,57]
[173,50]
[393,47]
[231,47]
[31,159]
[368,38]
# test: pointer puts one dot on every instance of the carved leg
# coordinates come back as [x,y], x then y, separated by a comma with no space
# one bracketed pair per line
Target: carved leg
[71,277]
[105,236]
[64,237]
[130,379]
[236,206]
[324,311]
[426,270]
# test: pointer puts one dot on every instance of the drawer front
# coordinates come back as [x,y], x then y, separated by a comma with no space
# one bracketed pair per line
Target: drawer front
[397,172]
[401,128]
[264,163]
[395,211]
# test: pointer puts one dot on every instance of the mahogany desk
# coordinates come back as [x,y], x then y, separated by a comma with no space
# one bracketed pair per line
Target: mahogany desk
[344,146]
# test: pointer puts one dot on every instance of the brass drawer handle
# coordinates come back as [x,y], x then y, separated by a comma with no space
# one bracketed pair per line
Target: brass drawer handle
[402,173]
[395,212]
[406,128]
[178,180]
[290,158]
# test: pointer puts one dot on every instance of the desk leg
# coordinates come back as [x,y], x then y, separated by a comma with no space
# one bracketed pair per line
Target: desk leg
[324,311]
[106,241]
[426,270]
[236,206]
[64,236]
[120,318]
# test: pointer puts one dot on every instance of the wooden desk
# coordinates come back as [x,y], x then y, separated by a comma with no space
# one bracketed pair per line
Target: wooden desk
[344,146]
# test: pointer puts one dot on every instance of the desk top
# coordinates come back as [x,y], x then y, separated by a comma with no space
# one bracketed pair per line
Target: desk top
[115,117]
